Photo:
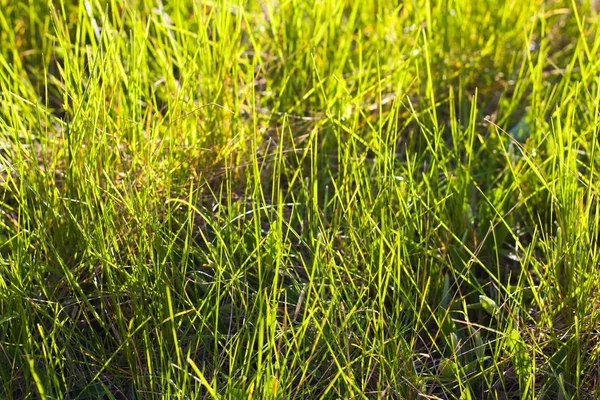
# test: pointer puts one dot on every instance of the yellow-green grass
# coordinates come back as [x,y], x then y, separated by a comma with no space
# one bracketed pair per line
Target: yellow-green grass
[299,199]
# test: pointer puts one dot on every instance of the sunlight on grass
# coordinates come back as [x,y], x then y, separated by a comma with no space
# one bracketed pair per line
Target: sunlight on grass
[299,199]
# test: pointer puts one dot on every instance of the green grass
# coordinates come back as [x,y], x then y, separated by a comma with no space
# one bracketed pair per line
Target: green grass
[299,199]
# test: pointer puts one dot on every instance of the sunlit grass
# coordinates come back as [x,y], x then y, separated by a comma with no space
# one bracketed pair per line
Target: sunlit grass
[303,199]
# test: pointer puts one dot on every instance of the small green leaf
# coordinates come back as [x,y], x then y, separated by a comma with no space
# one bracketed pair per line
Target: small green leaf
[449,369]
[521,359]
[489,305]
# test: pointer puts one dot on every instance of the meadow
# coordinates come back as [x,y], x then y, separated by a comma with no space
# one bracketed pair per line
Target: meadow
[299,199]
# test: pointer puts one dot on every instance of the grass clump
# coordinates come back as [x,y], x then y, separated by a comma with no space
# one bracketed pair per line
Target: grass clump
[303,199]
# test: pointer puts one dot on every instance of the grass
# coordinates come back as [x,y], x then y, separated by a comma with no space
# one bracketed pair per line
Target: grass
[303,199]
